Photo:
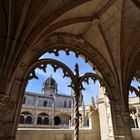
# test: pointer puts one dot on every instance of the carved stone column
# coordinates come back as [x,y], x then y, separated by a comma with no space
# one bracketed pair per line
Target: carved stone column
[121,121]
[76,116]
[138,117]
[6,123]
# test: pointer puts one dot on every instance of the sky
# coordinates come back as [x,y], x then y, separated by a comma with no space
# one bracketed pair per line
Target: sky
[70,60]
[135,84]
[90,90]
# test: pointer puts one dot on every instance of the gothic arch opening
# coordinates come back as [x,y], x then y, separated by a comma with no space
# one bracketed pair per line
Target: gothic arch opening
[45,103]
[28,120]
[46,120]
[39,120]
[21,120]
[25,118]
[43,119]
[57,120]
[42,65]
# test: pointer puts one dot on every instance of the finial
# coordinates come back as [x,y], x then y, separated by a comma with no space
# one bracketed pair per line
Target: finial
[76,70]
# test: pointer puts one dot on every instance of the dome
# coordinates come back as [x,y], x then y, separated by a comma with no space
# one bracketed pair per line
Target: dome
[50,82]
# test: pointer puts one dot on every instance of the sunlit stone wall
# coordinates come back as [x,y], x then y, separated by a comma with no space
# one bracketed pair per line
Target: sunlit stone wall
[63,134]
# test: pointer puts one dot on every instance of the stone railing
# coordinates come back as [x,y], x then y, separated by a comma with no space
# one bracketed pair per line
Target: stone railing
[46,108]
[53,134]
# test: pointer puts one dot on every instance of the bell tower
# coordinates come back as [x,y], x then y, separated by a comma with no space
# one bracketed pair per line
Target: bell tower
[49,86]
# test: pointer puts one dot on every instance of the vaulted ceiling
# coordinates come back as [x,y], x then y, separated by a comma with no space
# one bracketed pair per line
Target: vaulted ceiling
[108,32]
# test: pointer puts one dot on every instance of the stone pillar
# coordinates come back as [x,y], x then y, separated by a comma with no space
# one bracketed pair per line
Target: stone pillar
[94,123]
[35,119]
[103,107]
[134,117]
[138,117]
[35,110]
[103,118]
[138,120]
[10,106]
[76,116]
[121,121]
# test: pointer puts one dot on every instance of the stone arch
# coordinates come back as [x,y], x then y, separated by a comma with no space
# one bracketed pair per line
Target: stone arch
[27,117]
[21,119]
[88,51]
[45,103]
[46,120]
[64,118]
[24,65]
[43,118]
[57,120]
[39,120]
[28,120]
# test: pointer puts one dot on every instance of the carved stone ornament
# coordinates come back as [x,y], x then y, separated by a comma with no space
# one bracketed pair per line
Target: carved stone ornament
[6,107]
[5,129]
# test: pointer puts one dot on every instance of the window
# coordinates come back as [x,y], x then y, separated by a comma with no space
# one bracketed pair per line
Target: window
[65,103]
[45,103]
[69,104]
[24,100]
[46,120]
[28,120]
[21,120]
[39,120]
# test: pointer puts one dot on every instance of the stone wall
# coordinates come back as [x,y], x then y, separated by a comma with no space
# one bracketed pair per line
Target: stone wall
[55,134]
[136,133]
[63,134]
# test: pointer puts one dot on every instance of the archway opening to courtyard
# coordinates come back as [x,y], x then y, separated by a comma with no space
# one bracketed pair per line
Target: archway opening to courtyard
[50,101]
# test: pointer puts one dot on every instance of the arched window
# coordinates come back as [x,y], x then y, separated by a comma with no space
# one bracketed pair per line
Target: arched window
[25,118]
[28,120]
[69,104]
[43,118]
[39,120]
[46,120]
[45,103]
[21,120]
[65,103]
[56,120]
